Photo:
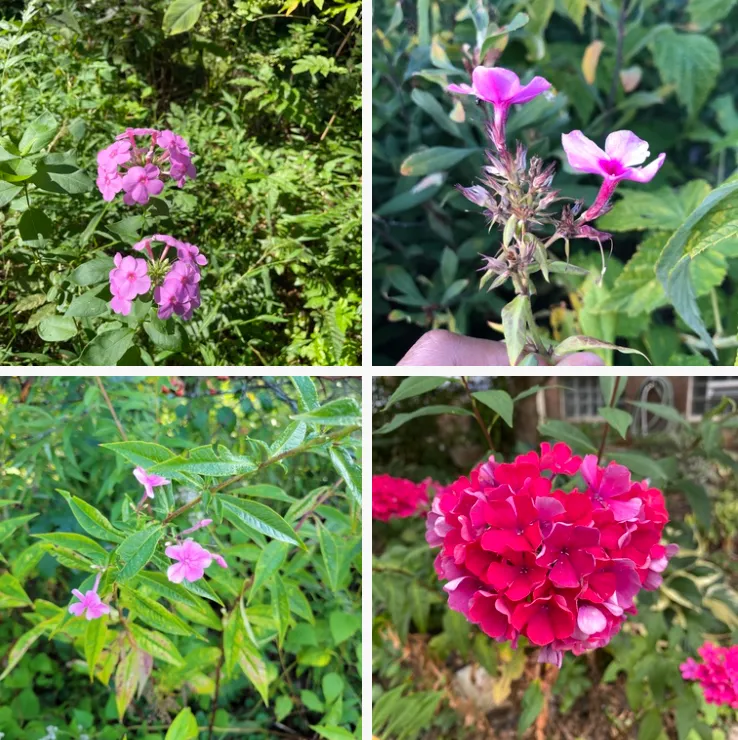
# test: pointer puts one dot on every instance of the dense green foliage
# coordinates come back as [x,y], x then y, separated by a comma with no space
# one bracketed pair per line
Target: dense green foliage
[462,684]
[270,106]
[663,70]
[270,644]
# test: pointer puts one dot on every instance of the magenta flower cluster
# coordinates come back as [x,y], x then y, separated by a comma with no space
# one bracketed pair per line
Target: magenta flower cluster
[176,285]
[141,169]
[522,557]
[191,559]
[718,674]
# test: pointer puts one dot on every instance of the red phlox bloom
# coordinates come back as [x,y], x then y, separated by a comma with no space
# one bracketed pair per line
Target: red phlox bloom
[522,557]
[718,674]
[397,498]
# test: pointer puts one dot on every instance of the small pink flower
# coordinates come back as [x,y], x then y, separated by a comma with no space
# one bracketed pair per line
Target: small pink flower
[128,279]
[90,605]
[192,561]
[190,253]
[179,293]
[109,183]
[149,481]
[502,88]
[140,183]
[118,153]
[623,151]
[220,560]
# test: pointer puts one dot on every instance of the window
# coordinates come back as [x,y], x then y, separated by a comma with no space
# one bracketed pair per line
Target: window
[707,392]
[581,398]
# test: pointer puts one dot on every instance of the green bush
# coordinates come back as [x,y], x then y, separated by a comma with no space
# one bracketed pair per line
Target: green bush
[270,107]
[269,644]
[663,70]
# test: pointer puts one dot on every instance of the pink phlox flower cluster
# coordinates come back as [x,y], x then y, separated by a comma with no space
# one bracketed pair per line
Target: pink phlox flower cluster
[128,279]
[192,559]
[149,481]
[718,674]
[523,557]
[90,604]
[179,290]
[141,169]
[397,498]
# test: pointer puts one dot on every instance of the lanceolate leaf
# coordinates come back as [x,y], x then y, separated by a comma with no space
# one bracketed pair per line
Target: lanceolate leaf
[154,614]
[136,550]
[91,520]
[348,470]
[96,636]
[181,16]
[24,642]
[9,526]
[157,645]
[341,412]
[145,454]
[259,518]
[184,726]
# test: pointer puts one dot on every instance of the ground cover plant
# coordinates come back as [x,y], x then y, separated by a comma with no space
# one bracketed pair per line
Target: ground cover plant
[180,558]
[181,183]
[557,175]
[580,583]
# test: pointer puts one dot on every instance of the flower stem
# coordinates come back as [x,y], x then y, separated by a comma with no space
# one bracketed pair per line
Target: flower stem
[478,415]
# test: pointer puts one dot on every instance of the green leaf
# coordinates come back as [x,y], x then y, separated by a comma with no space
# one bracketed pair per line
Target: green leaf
[499,401]
[576,9]
[86,305]
[282,707]
[348,470]
[664,209]
[128,228]
[91,520]
[332,553]
[95,271]
[640,465]
[62,180]
[662,410]
[514,318]
[691,62]
[618,419]
[332,732]
[270,560]
[706,13]
[38,134]
[563,431]
[532,706]
[8,192]
[204,461]
[8,526]
[154,614]
[77,543]
[265,490]
[181,16]
[108,348]
[57,329]
[699,500]
[520,20]
[292,436]
[136,550]
[145,454]
[401,419]
[165,335]
[35,227]
[340,412]
[421,192]
[343,625]
[24,642]
[96,636]
[435,110]
[411,387]
[651,726]
[12,595]
[308,396]
[184,726]
[259,518]
[280,608]
[435,159]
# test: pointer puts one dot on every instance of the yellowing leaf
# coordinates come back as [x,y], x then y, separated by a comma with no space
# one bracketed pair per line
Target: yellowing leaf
[591,59]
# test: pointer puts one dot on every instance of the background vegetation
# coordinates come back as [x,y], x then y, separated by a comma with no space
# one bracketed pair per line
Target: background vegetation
[270,647]
[438,676]
[268,97]
[666,71]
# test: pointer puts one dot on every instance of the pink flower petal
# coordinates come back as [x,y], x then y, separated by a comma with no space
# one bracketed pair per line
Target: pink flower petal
[583,154]
[627,148]
[495,84]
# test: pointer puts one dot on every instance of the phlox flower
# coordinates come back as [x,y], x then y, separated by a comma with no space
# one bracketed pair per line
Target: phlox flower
[89,605]
[717,674]
[149,481]
[128,279]
[140,183]
[500,87]
[623,152]
[524,558]
[397,498]
[192,559]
